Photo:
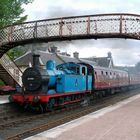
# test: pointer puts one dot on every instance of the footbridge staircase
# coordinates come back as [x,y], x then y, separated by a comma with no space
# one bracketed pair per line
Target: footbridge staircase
[9,71]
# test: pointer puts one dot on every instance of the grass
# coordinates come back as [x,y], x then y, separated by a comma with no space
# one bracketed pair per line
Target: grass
[1,82]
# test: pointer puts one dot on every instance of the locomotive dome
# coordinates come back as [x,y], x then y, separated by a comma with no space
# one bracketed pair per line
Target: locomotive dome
[50,65]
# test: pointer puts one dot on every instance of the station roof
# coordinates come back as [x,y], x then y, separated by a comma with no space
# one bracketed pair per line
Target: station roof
[25,59]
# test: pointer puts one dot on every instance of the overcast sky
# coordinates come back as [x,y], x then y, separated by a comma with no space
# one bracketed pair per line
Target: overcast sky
[124,52]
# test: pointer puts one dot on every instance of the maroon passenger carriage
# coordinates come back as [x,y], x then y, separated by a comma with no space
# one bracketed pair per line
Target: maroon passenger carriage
[109,80]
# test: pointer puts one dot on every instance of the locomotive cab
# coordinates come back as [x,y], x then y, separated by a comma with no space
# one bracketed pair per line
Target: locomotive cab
[75,78]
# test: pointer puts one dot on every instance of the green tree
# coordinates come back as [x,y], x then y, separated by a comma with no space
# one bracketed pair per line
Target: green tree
[137,67]
[11,10]
[1,82]
[17,51]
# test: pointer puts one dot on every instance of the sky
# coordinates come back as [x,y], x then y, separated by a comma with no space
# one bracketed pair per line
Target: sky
[124,52]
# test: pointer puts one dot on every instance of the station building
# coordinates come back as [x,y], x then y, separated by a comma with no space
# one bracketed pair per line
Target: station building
[62,57]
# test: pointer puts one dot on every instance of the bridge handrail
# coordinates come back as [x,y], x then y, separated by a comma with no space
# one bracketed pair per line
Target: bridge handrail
[111,14]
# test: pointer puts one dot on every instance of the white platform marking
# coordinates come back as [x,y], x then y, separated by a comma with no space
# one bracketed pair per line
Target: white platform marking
[4,102]
[4,99]
[55,132]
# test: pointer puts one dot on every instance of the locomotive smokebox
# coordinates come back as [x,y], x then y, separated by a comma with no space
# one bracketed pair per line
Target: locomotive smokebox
[36,60]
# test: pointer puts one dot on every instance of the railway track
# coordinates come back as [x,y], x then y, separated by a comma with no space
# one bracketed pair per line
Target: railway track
[35,124]
[10,112]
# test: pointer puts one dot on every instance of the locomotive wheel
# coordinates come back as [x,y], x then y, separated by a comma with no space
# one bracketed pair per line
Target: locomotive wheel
[85,101]
[51,104]
[41,110]
[103,93]
[61,100]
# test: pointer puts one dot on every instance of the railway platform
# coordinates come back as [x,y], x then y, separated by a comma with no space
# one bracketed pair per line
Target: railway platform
[4,99]
[116,122]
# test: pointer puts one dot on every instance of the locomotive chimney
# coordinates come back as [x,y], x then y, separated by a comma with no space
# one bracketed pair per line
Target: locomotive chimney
[53,49]
[109,55]
[76,55]
[36,60]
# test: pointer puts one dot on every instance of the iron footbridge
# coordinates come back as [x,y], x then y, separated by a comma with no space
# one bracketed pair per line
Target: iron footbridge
[70,28]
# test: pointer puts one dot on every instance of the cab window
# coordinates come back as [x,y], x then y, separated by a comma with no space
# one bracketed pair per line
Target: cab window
[77,70]
[83,71]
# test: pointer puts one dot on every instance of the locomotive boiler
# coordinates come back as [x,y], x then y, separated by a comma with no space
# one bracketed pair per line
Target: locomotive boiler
[37,80]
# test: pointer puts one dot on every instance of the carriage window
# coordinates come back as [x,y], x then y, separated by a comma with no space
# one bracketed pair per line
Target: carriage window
[83,71]
[95,74]
[106,73]
[102,72]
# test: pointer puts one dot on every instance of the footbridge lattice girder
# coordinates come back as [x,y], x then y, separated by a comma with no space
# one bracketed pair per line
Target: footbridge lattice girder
[70,28]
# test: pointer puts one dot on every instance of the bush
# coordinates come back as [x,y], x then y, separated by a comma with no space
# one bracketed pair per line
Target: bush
[1,82]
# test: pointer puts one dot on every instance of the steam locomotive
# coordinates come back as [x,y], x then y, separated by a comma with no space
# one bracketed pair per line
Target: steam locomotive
[68,83]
